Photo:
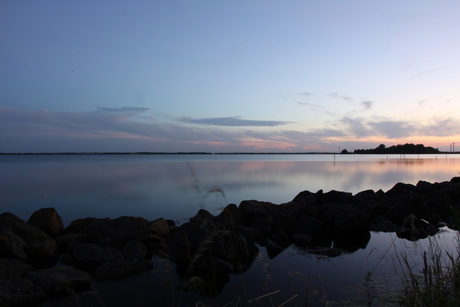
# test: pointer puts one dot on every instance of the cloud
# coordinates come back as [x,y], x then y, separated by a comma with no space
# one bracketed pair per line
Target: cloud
[367,104]
[339,96]
[122,110]
[234,121]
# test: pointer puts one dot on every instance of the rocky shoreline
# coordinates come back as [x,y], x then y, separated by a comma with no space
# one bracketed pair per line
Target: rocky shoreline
[40,259]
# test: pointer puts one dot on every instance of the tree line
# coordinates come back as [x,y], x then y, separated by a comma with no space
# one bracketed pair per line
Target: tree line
[396,149]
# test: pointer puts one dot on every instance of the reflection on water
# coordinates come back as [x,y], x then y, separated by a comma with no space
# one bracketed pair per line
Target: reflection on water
[177,186]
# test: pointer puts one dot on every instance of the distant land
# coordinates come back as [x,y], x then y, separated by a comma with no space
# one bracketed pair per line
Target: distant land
[381,149]
[396,149]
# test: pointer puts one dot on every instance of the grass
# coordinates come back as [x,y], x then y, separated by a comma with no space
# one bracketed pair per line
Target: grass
[438,281]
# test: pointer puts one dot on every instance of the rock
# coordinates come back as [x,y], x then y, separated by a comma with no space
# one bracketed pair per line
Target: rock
[415,228]
[122,268]
[81,225]
[302,239]
[89,255]
[252,210]
[70,241]
[308,225]
[11,245]
[135,250]
[48,220]
[18,291]
[201,216]
[229,216]
[13,267]
[9,219]
[159,227]
[119,231]
[61,281]
[273,249]
[42,252]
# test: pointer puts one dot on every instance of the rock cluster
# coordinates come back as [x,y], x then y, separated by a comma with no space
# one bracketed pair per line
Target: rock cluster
[208,248]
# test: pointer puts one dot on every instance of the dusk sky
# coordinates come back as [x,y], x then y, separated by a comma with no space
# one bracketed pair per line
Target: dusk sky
[226,76]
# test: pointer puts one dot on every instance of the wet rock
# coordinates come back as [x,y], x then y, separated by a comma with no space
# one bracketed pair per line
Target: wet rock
[11,245]
[119,231]
[81,225]
[18,291]
[229,216]
[308,225]
[70,241]
[47,220]
[159,227]
[42,252]
[252,210]
[61,281]
[9,220]
[415,228]
[89,255]
[201,216]
[273,249]
[12,267]
[122,268]
[134,250]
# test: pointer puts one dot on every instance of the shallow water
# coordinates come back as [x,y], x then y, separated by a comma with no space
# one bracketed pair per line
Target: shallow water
[177,186]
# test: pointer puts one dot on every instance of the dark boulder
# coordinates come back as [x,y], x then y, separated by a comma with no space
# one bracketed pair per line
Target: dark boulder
[10,267]
[18,291]
[119,231]
[122,268]
[415,228]
[61,281]
[81,225]
[11,245]
[159,227]
[89,255]
[47,220]
[308,225]
[9,220]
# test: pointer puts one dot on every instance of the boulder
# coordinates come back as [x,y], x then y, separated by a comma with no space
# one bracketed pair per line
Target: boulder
[89,255]
[48,220]
[119,231]
[61,281]
[122,268]
[10,267]
[415,228]
[70,241]
[42,252]
[9,219]
[229,216]
[159,227]
[11,245]
[18,291]
[81,225]
[134,250]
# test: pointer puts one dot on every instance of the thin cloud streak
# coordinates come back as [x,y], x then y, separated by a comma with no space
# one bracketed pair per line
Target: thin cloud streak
[234,121]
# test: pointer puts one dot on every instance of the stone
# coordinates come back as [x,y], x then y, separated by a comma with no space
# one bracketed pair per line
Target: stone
[159,227]
[81,225]
[11,245]
[18,291]
[134,250]
[9,219]
[10,267]
[47,220]
[122,268]
[42,252]
[89,255]
[70,241]
[119,231]
[61,281]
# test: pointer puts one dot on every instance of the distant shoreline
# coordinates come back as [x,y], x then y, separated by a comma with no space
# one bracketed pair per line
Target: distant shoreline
[205,153]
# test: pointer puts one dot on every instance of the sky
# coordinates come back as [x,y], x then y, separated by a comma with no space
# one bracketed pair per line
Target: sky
[228,76]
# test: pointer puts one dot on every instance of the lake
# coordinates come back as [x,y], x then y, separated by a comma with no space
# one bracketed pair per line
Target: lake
[177,186]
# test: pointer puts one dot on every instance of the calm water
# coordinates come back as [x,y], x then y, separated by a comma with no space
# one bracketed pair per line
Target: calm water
[177,186]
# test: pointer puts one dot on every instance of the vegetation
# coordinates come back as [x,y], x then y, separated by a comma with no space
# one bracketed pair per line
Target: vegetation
[438,284]
[396,149]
